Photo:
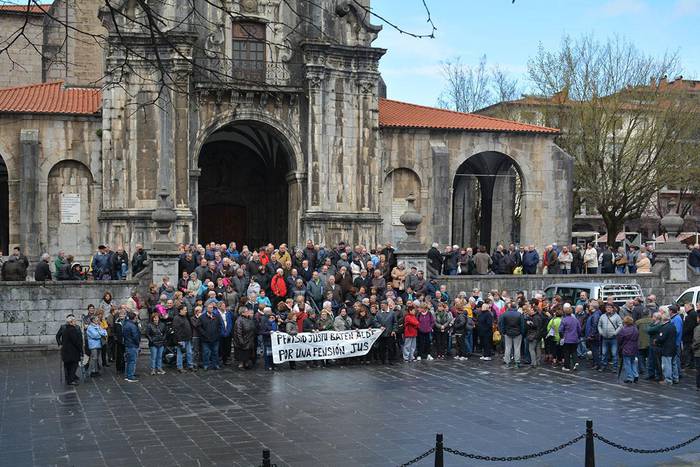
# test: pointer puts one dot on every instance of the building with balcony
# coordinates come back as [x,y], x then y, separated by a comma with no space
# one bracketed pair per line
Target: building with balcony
[264,121]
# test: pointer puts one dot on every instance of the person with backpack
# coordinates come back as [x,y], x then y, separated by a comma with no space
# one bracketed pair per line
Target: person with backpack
[609,325]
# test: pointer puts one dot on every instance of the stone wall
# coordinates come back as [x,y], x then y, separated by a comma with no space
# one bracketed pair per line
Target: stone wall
[21,64]
[666,291]
[45,156]
[32,312]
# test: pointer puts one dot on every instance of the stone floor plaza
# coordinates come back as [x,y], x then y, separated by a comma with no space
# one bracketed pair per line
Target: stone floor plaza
[341,416]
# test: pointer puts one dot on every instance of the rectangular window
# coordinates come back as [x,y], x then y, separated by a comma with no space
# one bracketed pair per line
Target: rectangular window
[249,51]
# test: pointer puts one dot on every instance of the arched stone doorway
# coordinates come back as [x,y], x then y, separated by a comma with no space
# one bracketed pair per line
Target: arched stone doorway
[243,187]
[486,203]
[4,209]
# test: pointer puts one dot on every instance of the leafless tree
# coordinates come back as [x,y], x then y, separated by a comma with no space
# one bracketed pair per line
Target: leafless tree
[143,37]
[628,130]
[470,88]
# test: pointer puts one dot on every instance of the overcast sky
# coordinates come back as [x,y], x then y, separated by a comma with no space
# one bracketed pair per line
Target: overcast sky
[508,34]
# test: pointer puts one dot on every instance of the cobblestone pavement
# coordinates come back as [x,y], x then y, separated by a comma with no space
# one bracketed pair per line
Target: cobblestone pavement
[352,415]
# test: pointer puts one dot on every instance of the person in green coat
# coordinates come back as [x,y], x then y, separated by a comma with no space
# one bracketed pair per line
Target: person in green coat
[553,338]
[654,358]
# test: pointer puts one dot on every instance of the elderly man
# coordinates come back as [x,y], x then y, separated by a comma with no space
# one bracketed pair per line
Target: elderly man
[70,339]
[666,342]
[43,271]
[609,326]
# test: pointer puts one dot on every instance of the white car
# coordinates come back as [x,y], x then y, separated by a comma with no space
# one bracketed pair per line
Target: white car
[691,295]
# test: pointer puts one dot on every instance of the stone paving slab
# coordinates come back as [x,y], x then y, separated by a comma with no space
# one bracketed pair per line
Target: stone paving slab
[340,416]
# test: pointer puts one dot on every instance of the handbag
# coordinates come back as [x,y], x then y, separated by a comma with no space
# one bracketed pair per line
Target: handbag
[497,337]
[518,270]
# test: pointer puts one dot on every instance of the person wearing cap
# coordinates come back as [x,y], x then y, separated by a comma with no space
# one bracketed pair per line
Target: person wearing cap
[70,339]
[101,265]
[609,325]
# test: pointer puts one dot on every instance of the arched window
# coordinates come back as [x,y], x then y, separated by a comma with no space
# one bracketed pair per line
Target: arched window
[249,50]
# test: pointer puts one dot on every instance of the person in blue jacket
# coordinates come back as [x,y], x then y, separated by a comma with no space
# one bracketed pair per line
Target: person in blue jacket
[95,333]
[132,339]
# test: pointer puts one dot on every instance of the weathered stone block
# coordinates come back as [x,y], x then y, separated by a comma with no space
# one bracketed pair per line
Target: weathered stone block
[15,316]
[35,329]
[22,340]
[3,329]
[39,316]
[15,329]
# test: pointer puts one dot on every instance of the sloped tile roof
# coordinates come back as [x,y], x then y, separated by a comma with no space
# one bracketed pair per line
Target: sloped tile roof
[33,9]
[395,114]
[50,98]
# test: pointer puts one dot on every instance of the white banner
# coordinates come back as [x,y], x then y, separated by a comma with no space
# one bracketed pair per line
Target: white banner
[322,345]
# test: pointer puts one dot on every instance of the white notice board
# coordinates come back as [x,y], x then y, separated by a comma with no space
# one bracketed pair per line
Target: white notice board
[70,208]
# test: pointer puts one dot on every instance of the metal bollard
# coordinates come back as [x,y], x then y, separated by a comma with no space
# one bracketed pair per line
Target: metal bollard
[439,453]
[266,458]
[590,452]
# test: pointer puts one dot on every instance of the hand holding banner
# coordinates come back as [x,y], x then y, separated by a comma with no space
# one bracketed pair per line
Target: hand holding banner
[322,345]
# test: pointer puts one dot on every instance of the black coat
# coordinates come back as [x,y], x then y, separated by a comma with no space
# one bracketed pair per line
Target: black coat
[14,270]
[435,259]
[244,333]
[70,339]
[210,330]
[182,328]
[666,340]
[42,272]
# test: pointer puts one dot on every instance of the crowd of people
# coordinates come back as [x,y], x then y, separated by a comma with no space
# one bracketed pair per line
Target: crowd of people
[226,304]
[108,264]
[525,259]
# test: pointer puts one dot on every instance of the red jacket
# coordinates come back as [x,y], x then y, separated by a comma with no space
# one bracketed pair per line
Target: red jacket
[279,286]
[410,326]
[301,316]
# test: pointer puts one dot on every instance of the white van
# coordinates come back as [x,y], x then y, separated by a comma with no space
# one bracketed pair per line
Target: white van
[691,295]
[570,291]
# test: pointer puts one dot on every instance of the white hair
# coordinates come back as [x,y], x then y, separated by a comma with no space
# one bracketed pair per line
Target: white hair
[567,306]
[435,245]
[45,257]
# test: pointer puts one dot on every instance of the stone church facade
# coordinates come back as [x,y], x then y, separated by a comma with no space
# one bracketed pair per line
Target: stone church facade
[272,128]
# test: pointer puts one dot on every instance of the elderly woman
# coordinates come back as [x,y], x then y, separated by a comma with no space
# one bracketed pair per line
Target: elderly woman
[565,260]
[643,264]
[398,277]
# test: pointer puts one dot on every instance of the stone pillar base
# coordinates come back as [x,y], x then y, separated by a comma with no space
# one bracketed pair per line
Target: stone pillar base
[164,265]
[675,257]
[413,257]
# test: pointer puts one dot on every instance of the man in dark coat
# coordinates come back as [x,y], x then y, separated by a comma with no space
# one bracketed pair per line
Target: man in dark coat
[43,271]
[138,260]
[13,270]
[70,339]
[434,261]
[210,334]
[244,339]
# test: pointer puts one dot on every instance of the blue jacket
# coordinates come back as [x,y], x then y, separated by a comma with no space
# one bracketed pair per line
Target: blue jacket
[678,324]
[591,331]
[94,335]
[226,331]
[530,259]
[131,334]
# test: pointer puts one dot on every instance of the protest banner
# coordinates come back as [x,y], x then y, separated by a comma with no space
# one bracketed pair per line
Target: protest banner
[322,345]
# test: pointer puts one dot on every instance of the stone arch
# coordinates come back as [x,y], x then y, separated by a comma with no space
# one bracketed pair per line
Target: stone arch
[396,186]
[237,116]
[249,138]
[74,236]
[487,200]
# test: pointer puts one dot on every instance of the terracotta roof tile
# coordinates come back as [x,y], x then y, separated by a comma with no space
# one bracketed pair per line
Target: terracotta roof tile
[33,9]
[50,98]
[395,114]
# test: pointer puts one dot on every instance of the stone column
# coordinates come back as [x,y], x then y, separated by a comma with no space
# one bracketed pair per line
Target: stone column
[442,203]
[672,254]
[164,255]
[29,223]
[410,250]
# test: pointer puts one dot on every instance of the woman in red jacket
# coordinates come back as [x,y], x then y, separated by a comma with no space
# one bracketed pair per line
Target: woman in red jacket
[279,287]
[410,331]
